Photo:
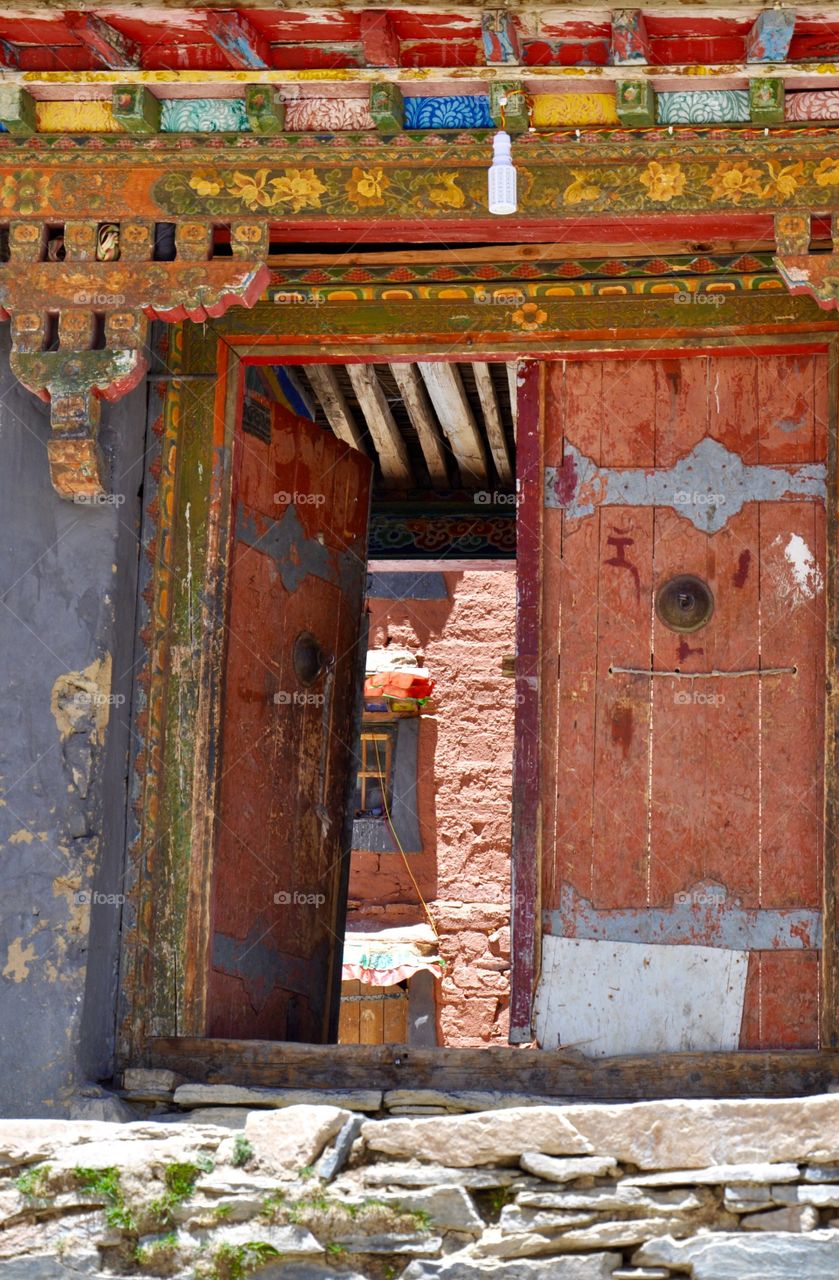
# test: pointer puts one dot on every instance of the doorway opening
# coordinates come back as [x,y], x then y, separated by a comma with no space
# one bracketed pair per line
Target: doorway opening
[388,916]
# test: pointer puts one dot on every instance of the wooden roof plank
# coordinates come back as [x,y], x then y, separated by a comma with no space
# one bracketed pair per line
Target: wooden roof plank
[457,420]
[324,382]
[419,410]
[390,446]
[492,422]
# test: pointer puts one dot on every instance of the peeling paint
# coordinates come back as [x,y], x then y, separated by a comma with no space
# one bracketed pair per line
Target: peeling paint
[68,888]
[807,576]
[23,836]
[707,486]
[703,913]
[18,960]
[79,696]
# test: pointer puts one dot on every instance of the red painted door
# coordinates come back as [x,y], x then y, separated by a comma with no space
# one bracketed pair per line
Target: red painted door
[297,578]
[681,770]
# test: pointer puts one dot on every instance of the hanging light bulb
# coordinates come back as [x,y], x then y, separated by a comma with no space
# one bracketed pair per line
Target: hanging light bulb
[502,176]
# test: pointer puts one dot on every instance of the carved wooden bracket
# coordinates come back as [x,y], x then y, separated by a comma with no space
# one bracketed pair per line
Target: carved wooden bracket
[816,274]
[80,306]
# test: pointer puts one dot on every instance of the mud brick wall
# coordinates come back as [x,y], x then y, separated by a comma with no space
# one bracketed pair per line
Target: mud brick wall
[464,785]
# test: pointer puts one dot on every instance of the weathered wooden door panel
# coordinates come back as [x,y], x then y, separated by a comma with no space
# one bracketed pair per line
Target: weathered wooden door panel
[682,771]
[296,596]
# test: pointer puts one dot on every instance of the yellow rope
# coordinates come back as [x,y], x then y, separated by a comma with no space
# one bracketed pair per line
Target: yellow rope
[383,781]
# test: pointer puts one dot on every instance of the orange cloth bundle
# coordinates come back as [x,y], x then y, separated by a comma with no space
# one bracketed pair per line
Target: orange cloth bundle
[397,684]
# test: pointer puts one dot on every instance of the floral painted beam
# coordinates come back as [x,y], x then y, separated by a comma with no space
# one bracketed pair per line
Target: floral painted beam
[608,174]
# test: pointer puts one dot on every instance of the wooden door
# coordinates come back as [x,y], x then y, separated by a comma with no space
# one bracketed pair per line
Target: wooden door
[681,811]
[294,659]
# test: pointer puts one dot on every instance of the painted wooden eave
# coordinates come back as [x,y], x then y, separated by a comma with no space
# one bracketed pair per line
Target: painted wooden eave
[423,81]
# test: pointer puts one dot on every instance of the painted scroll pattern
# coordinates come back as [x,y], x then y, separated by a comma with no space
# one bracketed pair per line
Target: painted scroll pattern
[820,104]
[573,108]
[204,115]
[459,111]
[327,115]
[708,106]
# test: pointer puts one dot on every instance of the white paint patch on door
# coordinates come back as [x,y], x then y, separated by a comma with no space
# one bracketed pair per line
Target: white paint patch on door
[806,573]
[608,998]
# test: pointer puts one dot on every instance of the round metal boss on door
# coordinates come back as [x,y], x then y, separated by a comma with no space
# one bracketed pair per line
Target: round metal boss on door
[308,658]
[684,603]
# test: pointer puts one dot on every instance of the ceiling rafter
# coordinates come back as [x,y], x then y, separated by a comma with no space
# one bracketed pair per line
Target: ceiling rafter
[324,382]
[390,446]
[419,410]
[492,422]
[445,388]
[115,51]
[240,42]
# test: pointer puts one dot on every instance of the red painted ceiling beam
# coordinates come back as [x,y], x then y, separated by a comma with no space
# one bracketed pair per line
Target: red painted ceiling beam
[379,39]
[244,47]
[114,50]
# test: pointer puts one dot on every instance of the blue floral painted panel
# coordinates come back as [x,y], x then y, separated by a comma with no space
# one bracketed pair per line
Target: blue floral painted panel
[204,115]
[460,111]
[707,106]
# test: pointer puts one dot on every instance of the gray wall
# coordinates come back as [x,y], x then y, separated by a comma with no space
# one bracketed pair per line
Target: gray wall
[67,600]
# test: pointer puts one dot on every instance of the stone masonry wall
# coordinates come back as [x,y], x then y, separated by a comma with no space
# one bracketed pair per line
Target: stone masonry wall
[728,1190]
[464,787]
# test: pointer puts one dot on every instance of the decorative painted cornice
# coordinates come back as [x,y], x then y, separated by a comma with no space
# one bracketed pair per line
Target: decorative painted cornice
[81,214]
[67,366]
[814,274]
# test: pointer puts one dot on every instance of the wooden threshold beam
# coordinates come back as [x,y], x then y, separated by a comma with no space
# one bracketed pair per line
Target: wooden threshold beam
[562,1074]
[324,382]
[492,422]
[416,402]
[391,448]
[445,389]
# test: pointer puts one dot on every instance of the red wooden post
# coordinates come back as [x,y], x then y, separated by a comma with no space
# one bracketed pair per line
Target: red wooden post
[526,815]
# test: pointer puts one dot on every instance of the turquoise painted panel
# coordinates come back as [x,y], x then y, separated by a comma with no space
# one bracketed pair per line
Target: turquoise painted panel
[707,106]
[204,115]
[460,111]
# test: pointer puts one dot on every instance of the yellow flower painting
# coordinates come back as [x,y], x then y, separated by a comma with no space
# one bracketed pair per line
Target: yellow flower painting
[663,179]
[734,179]
[366,187]
[300,188]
